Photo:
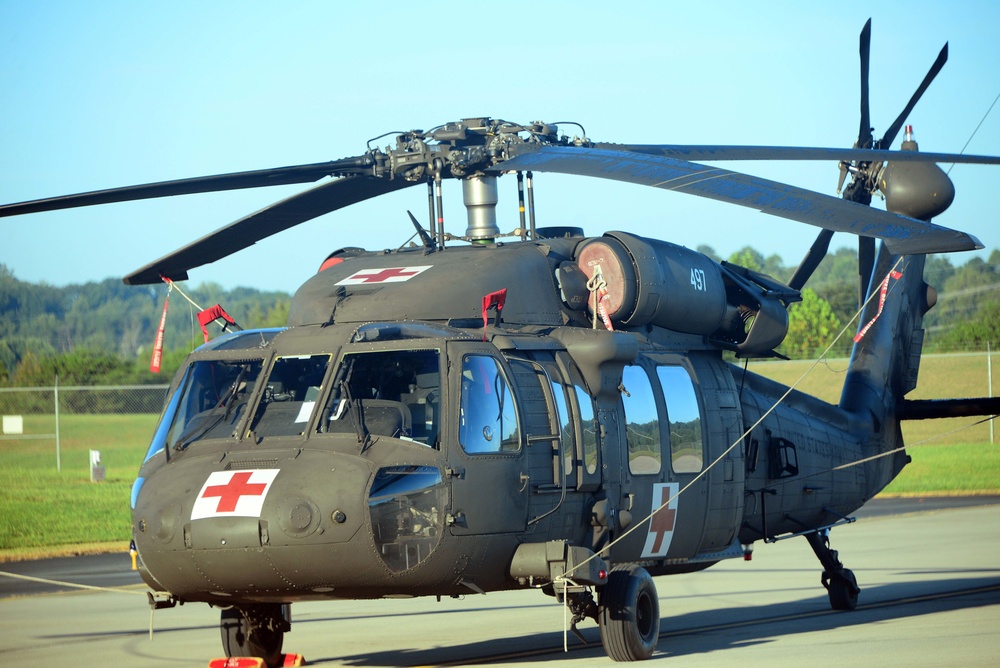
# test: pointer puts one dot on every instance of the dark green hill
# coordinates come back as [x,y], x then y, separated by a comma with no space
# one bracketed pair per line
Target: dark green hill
[106,330]
[110,319]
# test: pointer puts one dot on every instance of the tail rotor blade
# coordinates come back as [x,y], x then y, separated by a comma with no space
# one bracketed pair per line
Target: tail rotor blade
[864,128]
[812,259]
[893,130]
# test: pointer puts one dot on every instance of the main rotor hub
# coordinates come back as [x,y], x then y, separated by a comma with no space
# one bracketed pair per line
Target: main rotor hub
[459,149]
[479,193]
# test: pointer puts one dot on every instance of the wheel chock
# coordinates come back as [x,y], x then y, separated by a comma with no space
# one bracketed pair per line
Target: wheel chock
[237,662]
[287,661]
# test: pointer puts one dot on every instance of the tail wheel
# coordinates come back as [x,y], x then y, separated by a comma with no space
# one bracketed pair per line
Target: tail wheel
[629,614]
[251,633]
[843,590]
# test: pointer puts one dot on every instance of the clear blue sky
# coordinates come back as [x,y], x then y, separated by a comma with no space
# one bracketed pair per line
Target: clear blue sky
[104,94]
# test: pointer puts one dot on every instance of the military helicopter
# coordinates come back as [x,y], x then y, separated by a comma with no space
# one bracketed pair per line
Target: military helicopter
[550,411]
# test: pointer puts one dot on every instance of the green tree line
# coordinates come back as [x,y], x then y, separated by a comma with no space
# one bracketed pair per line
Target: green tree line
[103,332]
[966,316]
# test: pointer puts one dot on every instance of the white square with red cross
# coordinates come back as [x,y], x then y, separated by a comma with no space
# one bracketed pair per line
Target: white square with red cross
[233,494]
[387,275]
[661,524]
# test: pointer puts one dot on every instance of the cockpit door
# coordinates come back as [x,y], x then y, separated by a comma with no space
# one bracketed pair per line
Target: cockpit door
[487,464]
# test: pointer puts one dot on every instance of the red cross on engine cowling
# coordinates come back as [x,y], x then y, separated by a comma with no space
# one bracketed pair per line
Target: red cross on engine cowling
[384,275]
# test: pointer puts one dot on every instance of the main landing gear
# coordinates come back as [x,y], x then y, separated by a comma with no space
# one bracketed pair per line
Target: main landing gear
[627,612]
[255,630]
[840,582]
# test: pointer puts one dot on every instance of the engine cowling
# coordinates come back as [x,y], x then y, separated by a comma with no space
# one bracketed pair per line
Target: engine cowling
[656,282]
[642,281]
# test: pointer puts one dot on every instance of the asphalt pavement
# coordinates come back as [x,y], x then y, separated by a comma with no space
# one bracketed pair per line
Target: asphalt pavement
[928,572]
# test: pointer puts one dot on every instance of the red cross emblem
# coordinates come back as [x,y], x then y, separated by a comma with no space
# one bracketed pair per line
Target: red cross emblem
[388,275]
[230,493]
[233,494]
[661,525]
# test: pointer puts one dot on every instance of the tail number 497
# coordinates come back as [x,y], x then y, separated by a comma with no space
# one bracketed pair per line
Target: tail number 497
[698,279]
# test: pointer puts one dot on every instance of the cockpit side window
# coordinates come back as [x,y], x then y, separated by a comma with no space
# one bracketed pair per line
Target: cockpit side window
[290,394]
[213,400]
[394,393]
[488,420]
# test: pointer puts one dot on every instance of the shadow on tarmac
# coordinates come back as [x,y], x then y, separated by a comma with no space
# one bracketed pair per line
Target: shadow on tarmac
[707,631]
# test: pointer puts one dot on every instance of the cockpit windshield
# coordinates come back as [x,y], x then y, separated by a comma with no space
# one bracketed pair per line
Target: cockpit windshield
[393,393]
[291,391]
[213,400]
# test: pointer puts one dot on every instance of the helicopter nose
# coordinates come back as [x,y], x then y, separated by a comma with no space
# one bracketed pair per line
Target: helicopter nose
[204,527]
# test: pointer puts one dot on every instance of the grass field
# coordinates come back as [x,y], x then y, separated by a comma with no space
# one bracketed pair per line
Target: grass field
[941,377]
[49,511]
[949,456]
[44,507]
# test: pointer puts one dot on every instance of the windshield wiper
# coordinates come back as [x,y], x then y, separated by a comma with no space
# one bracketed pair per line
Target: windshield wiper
[357,417]
[213,418]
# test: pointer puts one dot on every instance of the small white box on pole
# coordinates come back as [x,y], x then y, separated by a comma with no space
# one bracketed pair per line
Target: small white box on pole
[13,424]
[96,470]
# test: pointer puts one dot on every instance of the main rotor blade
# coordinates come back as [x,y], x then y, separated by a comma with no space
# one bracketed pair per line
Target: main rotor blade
[902,235]
[709,153]
[260,178]
[275,218]
[890,134]
[865,128]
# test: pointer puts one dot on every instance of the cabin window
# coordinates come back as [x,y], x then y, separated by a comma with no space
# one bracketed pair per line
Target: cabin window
[488,416]
[213,400]
[683,418]
[567,435]
[394,393]
[642,423]
[588,430]
[290,394]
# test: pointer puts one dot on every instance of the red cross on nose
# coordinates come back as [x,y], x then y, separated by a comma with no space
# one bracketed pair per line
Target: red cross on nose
[230,493]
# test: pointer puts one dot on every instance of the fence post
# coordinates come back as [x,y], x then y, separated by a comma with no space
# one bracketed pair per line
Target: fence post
[989,377]
[58,451]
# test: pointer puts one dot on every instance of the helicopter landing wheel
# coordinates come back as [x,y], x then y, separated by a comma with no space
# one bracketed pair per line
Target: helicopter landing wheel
[843,590]
[254,631]
[840,583]
[629,614]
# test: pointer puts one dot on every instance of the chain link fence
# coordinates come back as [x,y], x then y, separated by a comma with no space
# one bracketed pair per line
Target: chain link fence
[73,420]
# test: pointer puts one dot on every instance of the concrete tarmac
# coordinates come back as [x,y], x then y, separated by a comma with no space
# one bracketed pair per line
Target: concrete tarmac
[930,597]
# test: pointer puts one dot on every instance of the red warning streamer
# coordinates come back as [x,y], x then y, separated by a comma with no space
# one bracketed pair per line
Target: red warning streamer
[211,314]
[881,302]
[496,299]
[602,309]
[154,363]
[598,287]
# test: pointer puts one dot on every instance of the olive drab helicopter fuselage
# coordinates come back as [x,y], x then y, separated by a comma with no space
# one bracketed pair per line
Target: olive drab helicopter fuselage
[555,411]
[426,455]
